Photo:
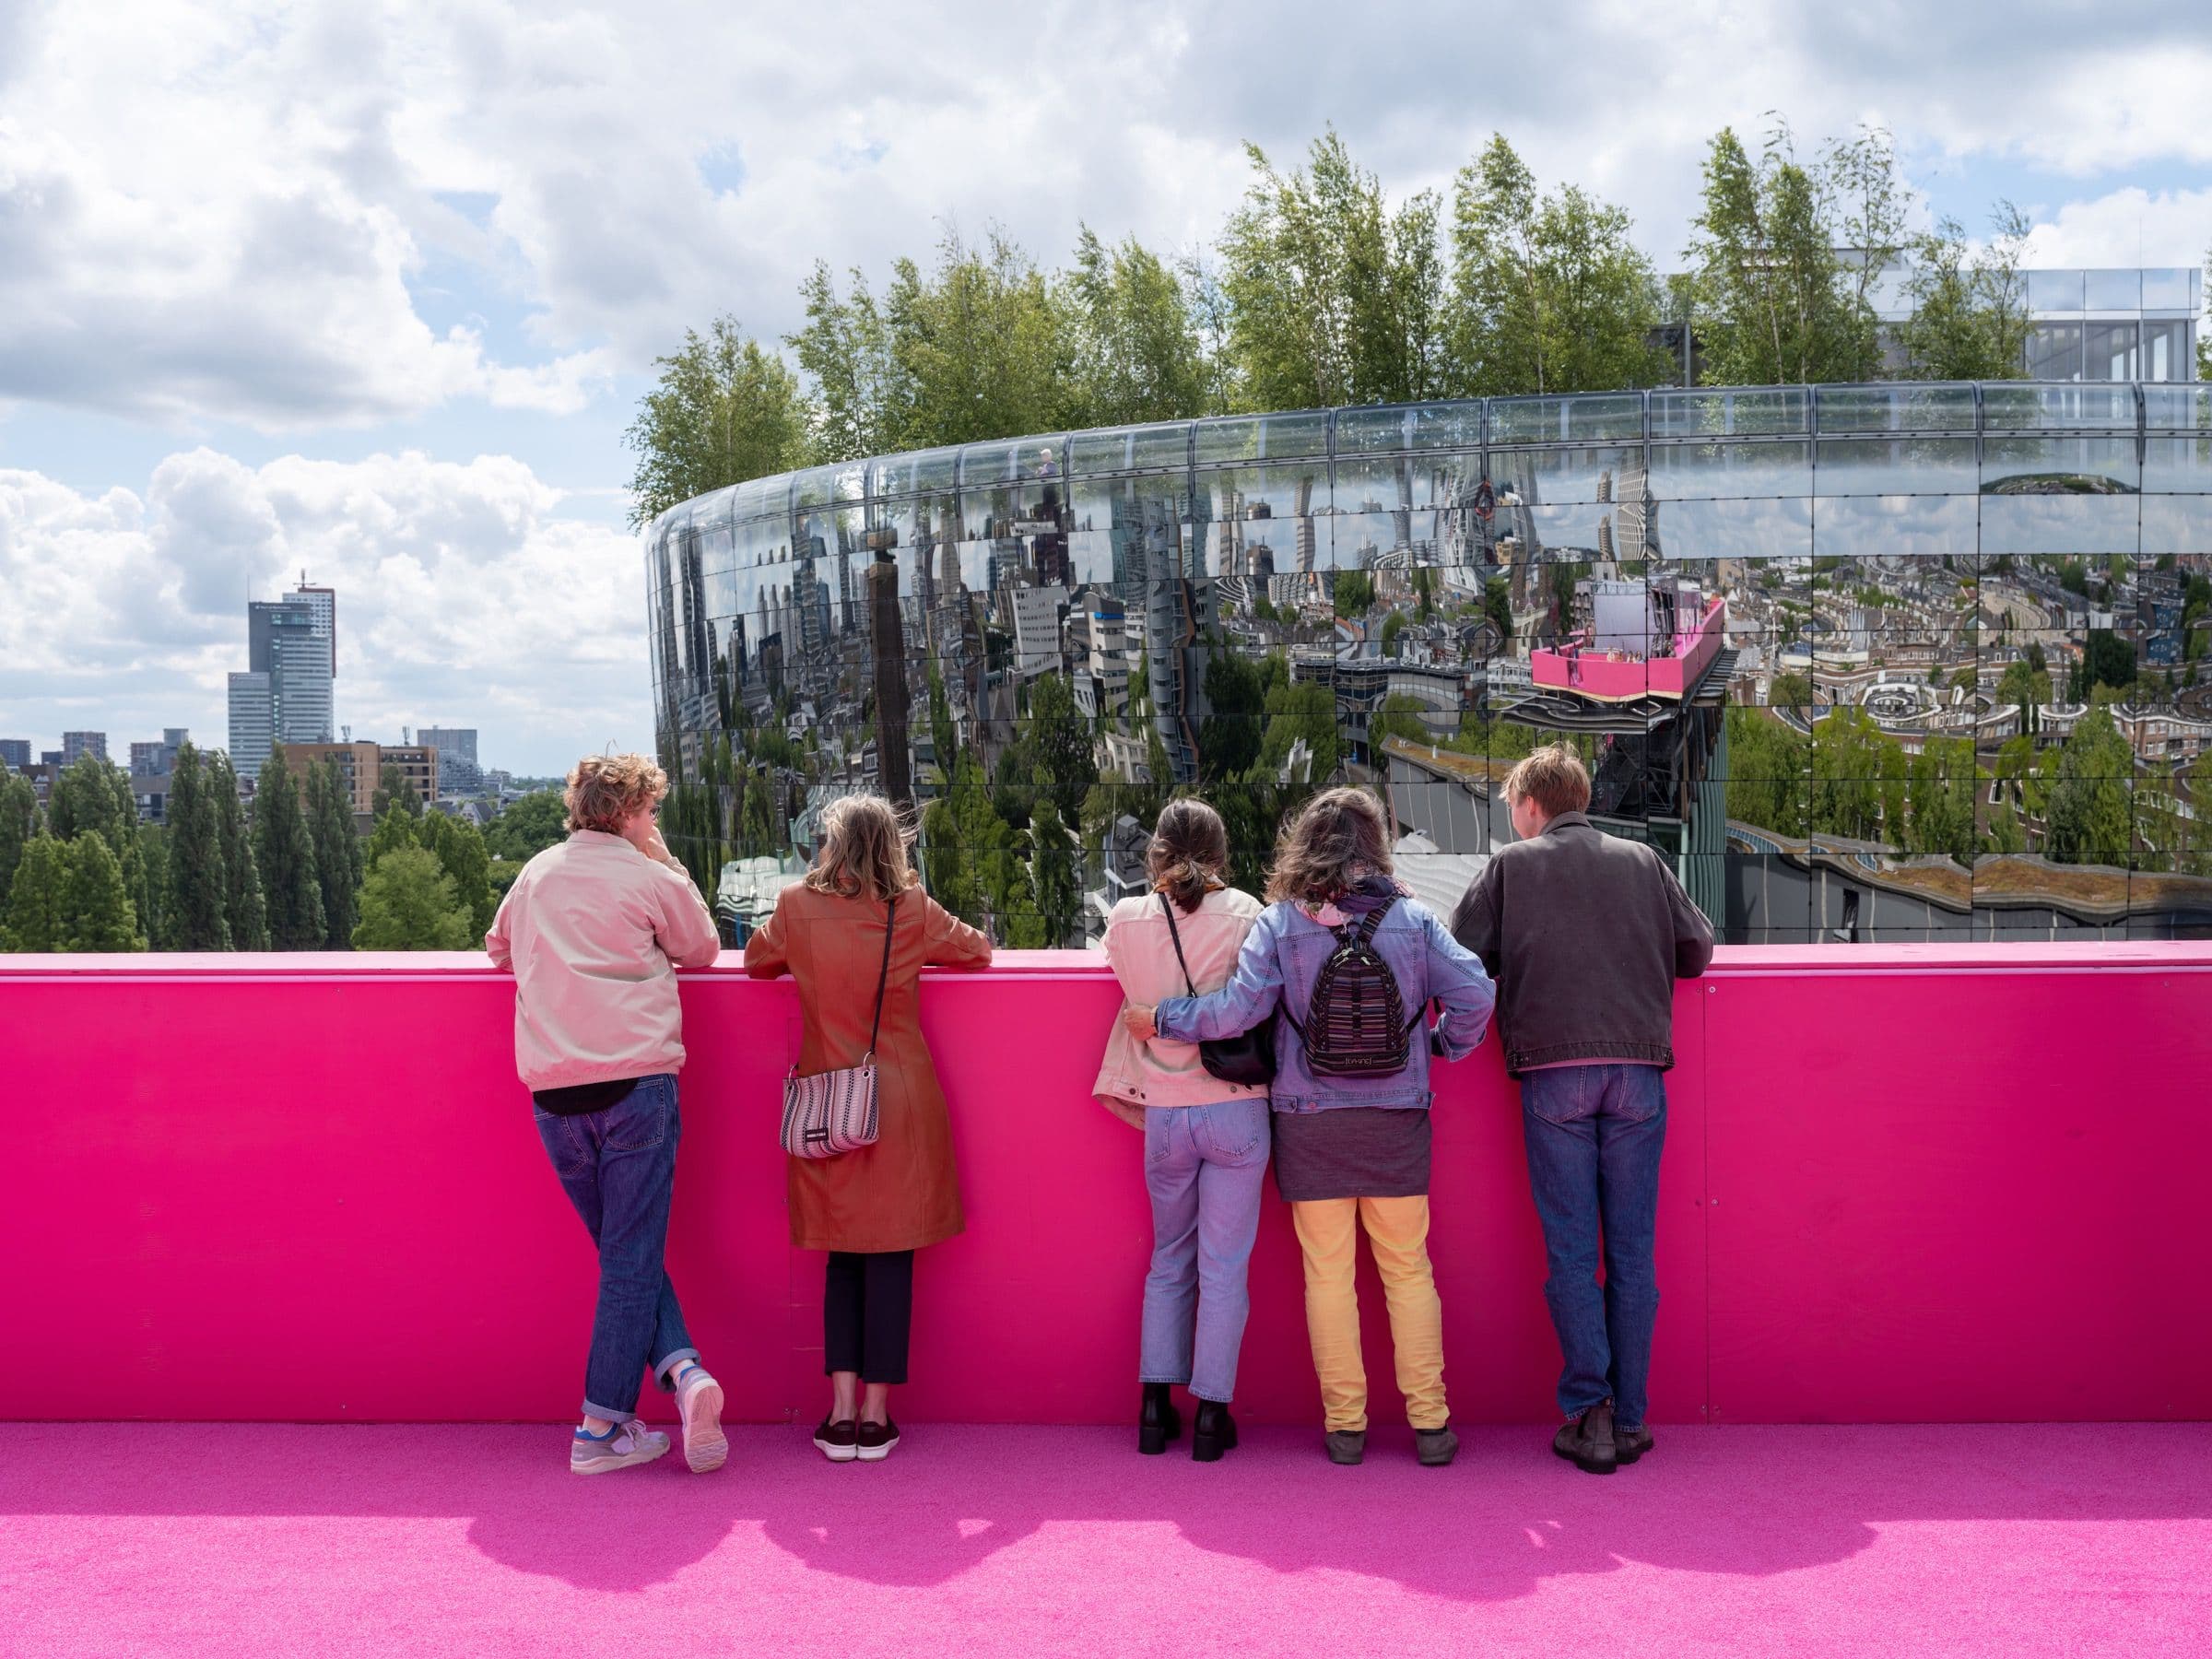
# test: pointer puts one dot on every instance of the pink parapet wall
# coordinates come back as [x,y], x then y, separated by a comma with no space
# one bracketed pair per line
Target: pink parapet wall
[1928,1183]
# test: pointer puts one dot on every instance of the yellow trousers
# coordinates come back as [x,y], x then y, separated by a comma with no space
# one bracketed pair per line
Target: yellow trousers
[1397,1232]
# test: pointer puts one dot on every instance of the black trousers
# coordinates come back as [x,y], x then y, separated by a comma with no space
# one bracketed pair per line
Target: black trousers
[868,1309]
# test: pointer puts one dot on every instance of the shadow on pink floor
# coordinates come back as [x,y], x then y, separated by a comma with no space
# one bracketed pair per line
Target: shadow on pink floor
[2034,1533]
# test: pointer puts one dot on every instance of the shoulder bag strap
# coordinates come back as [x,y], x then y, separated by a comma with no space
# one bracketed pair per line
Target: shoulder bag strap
[1176,937]
[883,977]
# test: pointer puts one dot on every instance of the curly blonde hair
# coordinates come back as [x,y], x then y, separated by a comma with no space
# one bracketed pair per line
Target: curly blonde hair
[863,850]
[1339,839]
[605,791]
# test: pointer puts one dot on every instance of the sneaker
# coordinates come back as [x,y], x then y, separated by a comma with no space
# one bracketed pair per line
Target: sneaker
[1628,1445]
[875,1441]
[1435,1447]
[840,1442]
[1587,1440]
[1345,1445]
[699,1402]
[618,1448]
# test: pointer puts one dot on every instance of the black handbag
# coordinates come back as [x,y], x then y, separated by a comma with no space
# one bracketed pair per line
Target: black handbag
[1248,1058]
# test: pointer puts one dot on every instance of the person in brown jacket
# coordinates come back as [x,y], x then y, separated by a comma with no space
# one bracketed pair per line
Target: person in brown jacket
[873,1208]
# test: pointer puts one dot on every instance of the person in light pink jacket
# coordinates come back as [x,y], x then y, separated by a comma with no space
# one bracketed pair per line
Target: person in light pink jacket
[1206,1140]
[593,930]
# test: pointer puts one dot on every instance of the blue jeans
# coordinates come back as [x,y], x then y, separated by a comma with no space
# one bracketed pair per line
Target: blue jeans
[1594,1136]
[618,1167]
[1205,1167]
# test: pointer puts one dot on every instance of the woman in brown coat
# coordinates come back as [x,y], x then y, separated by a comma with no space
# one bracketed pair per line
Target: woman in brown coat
[873,1208]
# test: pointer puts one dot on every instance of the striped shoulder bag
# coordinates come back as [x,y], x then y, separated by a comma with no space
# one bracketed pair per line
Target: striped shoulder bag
[834,1111]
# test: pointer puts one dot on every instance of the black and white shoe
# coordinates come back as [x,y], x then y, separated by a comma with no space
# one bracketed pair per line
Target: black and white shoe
[875,1441]
[840,1442]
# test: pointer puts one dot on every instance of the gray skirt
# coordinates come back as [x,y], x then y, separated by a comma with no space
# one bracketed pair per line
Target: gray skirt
[1351,1152]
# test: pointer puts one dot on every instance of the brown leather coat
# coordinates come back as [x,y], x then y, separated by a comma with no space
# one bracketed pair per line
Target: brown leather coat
[901,1192]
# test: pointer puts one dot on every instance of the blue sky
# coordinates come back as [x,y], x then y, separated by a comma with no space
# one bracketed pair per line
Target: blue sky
[374,293]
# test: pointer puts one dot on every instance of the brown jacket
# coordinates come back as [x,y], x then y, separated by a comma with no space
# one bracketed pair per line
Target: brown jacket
[1586,934]
[901,1192]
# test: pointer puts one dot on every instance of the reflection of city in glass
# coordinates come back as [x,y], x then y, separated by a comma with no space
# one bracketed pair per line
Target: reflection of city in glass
[1885,662]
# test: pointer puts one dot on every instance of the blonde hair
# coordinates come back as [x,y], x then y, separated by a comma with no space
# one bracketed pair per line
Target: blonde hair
[1554,778]
[606,791]
[863,850]
[1340,839]
[1188,851]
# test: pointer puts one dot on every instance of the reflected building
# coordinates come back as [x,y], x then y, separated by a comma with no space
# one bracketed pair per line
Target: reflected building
[1885,662]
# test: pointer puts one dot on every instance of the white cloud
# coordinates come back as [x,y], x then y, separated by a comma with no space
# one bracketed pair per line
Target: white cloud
[464,598]
[2125,227]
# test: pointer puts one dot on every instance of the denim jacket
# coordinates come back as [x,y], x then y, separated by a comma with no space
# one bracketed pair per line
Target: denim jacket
[1281,959]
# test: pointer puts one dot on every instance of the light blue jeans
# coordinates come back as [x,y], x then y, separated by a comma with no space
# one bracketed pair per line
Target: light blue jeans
[1205,1167]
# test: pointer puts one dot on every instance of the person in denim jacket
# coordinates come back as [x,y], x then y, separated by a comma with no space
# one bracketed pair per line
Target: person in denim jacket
[1350,1152]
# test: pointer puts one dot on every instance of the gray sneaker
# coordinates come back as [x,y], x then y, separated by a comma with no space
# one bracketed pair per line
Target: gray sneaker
[1347,1445]
[624,1444]
[1435,1447]
[699,1402]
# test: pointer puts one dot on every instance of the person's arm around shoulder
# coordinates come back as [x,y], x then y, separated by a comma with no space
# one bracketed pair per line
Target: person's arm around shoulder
[1457,981]
[950,942]
[684,926]
[1249,997]
[1693,933]
[1475,920]
[768,952]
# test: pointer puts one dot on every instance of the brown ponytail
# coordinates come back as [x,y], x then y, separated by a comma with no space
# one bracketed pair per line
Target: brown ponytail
[1188,851]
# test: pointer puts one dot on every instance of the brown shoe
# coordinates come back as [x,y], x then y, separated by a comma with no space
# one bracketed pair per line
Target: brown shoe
[1587,1441]
[1628,1445]
[1347,1445]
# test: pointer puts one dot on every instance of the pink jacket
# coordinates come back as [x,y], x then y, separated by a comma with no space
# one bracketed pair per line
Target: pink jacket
[594,931]
[1136,1075]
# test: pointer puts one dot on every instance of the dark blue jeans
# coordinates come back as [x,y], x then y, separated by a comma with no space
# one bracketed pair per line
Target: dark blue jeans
[1594,1136]
[618,1167]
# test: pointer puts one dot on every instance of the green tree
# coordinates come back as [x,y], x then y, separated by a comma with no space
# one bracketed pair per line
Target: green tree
[37,916]
[18,822]
[976,347]
[528,827]
[394,788]
[1137,354]
[1776,303]
[242,904]
[96,794]
[2090,815]
[283,857]
[1940,786]
[1229,737]
[337,851]
[1058,893]
[1969,305]
[153,851]
[408,903]
[1060,743]
[1333,296]
[1398,716]
[945,866]
[198,904]
[461,853]
[723,410]
[1353,592]
[96,914]
[1298,711]
[1547,292]
[2027,690]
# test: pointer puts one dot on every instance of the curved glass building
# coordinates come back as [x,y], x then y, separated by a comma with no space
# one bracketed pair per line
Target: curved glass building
[1885,661]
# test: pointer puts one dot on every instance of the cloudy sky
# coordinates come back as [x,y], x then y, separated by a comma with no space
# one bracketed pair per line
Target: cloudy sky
[370,289]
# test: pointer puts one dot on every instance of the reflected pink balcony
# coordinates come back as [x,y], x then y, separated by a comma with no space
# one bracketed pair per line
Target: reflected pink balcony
[1624,676]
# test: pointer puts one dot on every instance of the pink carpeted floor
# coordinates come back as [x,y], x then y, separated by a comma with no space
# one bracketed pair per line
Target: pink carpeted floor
[249,1541]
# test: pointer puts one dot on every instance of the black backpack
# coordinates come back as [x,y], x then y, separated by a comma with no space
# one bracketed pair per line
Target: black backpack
[1356,1024]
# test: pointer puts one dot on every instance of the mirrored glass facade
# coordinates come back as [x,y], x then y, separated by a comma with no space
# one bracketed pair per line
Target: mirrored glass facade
[1887,662]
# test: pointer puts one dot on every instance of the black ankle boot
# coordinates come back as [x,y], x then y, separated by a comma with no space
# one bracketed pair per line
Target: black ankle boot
[1213,1432]
[1157,1422]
